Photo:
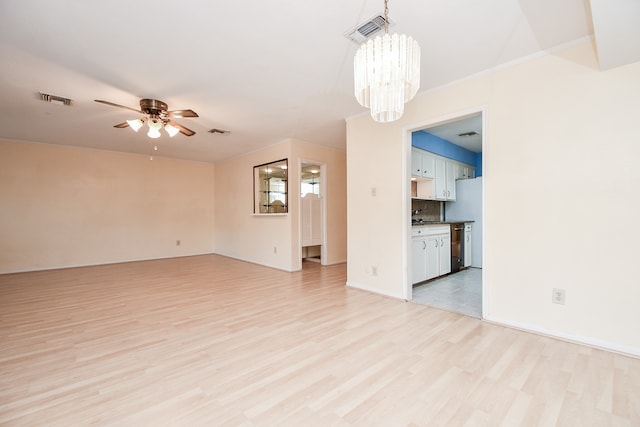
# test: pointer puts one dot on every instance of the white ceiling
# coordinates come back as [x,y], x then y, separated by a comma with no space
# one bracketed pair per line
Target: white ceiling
[453,132]
[266,71]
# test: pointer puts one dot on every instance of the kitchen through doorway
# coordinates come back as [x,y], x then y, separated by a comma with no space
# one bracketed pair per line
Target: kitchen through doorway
[446,193]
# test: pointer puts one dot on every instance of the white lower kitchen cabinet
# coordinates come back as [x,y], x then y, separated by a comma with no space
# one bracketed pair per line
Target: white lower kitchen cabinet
[418,259]
[430,252]
[467,245]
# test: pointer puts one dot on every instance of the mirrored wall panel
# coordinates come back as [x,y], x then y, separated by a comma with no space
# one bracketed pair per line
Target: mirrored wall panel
[270,187]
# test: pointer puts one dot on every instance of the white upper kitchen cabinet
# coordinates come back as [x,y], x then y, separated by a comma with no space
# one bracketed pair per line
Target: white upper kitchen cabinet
[451,179]
[422,164]
[464,171]
[445,179]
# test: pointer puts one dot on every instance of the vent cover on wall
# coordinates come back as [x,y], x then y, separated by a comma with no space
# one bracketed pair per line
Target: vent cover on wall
[365,30]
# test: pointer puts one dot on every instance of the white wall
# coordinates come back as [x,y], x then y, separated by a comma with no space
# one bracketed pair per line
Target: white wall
[560,166]
[66,206]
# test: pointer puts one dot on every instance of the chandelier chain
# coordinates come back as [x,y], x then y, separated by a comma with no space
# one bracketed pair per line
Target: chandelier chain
[386,16]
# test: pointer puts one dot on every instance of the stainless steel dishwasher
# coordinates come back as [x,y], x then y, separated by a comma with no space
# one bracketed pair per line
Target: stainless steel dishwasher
[457,246]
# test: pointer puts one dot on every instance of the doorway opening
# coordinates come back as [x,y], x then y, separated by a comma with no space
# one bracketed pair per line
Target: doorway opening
[312,211]
[446,197]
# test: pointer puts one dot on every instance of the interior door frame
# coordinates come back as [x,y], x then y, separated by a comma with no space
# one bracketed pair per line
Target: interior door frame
[406,195]
[323,196]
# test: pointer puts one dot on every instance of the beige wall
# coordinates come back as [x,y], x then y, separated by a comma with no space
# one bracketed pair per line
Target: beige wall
[561,173]
[335,195]
[64,206]
[240,234]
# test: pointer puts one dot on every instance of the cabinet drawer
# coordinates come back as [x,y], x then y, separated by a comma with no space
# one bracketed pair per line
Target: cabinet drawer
[429,230]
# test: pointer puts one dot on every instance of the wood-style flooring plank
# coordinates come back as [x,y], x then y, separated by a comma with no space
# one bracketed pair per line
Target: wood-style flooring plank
[213,341]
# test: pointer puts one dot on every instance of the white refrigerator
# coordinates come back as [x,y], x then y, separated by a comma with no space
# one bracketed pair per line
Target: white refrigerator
[468,207]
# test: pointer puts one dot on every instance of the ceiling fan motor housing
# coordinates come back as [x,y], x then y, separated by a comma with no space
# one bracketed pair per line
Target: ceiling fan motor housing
[153,107]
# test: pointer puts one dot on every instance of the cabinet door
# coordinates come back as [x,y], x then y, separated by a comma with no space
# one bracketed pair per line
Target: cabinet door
[418,260]
[444,249]
[467,246]
[432,257]
[428,166]
[416,162]
[450,186]
[440,179]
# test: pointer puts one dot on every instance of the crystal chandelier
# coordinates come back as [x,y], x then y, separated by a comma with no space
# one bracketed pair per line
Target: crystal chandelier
[387,73]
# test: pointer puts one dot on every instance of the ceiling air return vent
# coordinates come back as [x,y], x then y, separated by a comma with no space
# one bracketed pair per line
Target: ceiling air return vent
[366,30]
[470,133]
[221,131]
[54,98]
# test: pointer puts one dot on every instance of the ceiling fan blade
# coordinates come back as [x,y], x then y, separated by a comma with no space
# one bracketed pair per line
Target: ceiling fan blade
[122,125]
[183,130]
[177,114]
[117,105]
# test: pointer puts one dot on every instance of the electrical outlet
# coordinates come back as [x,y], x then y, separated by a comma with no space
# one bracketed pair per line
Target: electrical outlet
[177,242]
[558,296]
[374,191]
[275,249]
[374,270]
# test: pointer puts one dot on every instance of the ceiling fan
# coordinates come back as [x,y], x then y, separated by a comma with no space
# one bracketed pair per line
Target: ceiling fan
[157,117]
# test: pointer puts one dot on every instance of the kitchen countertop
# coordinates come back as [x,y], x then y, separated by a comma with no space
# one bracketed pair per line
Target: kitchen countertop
[418,224]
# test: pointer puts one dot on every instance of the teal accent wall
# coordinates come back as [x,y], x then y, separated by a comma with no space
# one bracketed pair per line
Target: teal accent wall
[426,141]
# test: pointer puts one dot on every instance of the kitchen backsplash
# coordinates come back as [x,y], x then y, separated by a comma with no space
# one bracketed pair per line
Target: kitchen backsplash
[429,210]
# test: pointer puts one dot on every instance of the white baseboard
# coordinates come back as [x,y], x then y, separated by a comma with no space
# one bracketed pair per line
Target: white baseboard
[252,261]
[336,262]
[374,291]
[109,262]
[578,339]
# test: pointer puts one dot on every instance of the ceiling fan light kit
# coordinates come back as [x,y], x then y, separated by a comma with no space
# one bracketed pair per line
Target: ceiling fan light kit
[135,124]
[157,118]
[387,73]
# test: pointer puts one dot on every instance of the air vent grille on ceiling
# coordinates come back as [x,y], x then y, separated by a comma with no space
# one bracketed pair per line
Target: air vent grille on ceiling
[365,30]
[470,133]
[54,98]
[222,131]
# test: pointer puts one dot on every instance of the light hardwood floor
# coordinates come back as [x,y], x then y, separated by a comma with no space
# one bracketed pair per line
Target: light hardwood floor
[208,340]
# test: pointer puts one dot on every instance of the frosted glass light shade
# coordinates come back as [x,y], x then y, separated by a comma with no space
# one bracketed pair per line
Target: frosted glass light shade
[153,133]
[135,124]
[171,130]
[154,128]
[386,74]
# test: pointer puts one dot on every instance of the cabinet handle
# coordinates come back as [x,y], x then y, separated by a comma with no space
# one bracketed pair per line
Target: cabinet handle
[424,244]
[436,243]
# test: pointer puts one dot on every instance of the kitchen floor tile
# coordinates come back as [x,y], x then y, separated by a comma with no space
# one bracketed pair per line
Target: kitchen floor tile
[460,292]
